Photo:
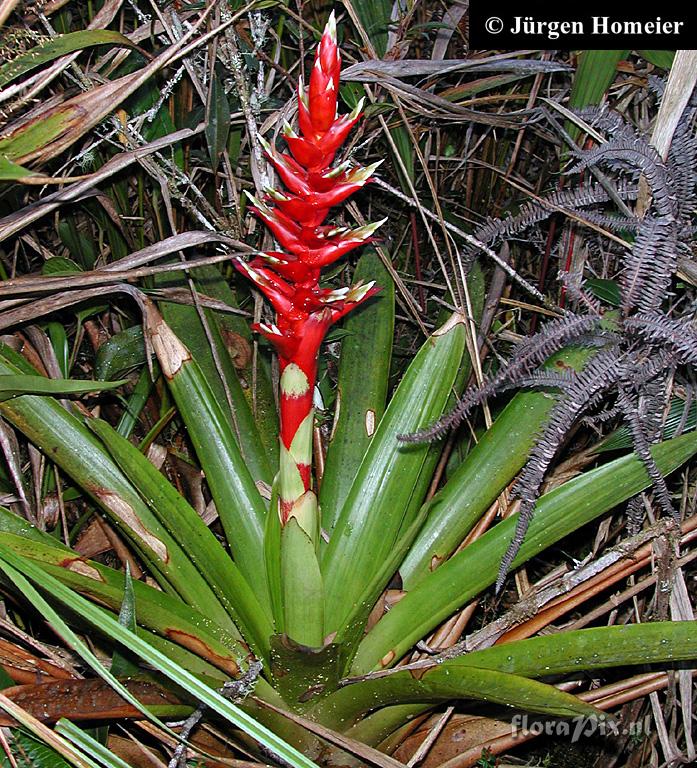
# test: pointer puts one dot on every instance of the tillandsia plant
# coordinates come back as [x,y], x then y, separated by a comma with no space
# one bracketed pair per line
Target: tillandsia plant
[258,597]
[291,280]
[640,346]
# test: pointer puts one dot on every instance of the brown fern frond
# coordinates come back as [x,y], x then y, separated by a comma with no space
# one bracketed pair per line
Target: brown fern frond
[600,374]
[649,265]
[663,331]
[639,156]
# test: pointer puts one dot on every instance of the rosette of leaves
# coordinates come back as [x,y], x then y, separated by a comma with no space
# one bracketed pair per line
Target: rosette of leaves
[287,596]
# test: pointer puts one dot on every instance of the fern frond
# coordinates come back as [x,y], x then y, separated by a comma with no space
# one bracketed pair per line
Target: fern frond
[579,294]
[649,265]
[613,222]
[664,331]
[629,404]
[682,159]
[640,156]
[536,211]
[600,374]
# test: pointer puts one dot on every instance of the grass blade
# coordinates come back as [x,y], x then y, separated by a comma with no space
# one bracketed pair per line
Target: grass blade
[14,385]
[81,739]
[51,741]
[56,47]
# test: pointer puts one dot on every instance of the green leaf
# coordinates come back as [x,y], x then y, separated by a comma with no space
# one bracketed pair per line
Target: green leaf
[60,265]
[441,682]
[59,46]
[555,654]
[375,18]
[254,373]
[10,171]
[174,672]
[121,354]
[67,441]
[476,284]
[377,726]
[81,739]
[589,649]
[217,121]
[272,559]
[82,249]
[364,369]
[29,752]
[472,570]
[5,680]
[594,74]
[405,153]
[19,572]
[121,664]
[302,674]
[490,466]
[240,507]
[186,324]
[621,439]
[137,400]
[158,612]
[193,535]
[391,482]
[662,59]
[607,290]
[33,136]
[59,341]
[15,385]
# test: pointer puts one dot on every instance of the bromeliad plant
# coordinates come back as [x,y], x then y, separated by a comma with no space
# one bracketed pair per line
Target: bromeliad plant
[275,590]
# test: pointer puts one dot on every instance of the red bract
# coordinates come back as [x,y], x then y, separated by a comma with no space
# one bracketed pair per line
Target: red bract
[291,280]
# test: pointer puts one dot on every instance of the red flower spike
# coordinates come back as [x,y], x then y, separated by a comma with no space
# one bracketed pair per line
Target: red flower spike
[308,211]
[342,244]
[328,51]
[290,279]
[290,267]
[324,80]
